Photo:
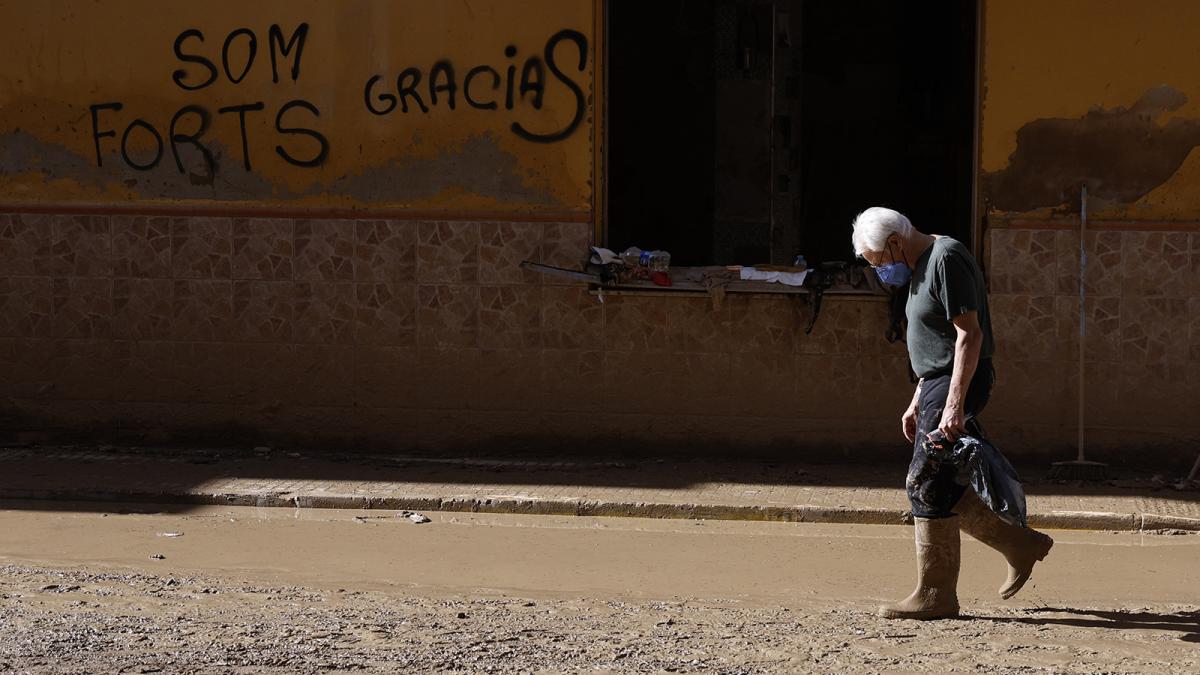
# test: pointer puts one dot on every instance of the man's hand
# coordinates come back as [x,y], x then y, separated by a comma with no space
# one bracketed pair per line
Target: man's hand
[953,424]
[908,423]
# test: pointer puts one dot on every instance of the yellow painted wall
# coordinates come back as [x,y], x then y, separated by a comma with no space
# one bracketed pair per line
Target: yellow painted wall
[59,57]
[1064,60]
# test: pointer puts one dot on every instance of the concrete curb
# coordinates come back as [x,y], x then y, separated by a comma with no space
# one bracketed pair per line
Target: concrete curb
[1055,520]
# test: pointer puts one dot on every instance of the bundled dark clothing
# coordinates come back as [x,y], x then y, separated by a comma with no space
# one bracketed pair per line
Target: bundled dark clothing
[933,485]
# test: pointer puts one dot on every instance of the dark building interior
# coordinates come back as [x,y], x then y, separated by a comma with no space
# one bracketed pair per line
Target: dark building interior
[748,131]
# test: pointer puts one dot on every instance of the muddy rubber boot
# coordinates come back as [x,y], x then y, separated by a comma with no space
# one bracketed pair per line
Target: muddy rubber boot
[936,595]
[1022,547]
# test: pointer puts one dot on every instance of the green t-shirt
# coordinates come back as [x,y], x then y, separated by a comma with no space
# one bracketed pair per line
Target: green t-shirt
[946,282]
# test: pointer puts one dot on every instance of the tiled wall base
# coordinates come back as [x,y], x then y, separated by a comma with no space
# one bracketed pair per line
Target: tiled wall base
[395,336]
[1142,363]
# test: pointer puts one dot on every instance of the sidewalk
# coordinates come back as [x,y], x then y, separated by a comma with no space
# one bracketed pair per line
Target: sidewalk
[652,488]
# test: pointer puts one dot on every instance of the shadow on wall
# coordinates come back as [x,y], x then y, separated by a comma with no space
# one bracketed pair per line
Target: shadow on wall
[1121,153]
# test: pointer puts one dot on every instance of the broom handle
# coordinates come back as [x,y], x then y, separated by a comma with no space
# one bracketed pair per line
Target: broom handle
[1082,309]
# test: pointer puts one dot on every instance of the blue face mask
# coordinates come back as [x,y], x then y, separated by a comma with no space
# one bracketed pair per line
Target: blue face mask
[894,273]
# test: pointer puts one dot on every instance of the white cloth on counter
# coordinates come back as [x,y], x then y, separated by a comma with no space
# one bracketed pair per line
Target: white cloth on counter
[774,277]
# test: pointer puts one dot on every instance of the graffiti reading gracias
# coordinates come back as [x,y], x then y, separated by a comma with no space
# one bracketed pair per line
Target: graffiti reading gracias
[143,145]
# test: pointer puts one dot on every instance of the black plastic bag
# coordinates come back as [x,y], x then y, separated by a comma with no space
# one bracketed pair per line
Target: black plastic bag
[981,466]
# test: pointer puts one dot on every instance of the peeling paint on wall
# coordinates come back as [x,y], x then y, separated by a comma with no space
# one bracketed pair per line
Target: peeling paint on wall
[1122,154]
[1102,91]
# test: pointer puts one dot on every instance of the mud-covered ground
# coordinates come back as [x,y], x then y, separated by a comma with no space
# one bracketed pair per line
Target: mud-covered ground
[249,591]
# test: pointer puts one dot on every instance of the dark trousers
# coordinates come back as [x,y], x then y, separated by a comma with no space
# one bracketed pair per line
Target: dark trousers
[933,487]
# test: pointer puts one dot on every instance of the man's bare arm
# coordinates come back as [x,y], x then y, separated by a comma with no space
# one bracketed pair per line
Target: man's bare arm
[967,344]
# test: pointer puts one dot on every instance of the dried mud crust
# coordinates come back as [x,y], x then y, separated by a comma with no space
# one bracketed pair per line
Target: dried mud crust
[80,621]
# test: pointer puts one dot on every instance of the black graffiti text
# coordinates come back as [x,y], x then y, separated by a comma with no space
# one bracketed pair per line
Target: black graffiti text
[484,87]
[237,55]
[191,126]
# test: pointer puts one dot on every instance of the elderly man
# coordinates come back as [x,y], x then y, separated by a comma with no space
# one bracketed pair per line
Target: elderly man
[950,347]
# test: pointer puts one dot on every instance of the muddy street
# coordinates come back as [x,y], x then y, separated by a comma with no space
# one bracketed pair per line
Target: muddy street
[242,590]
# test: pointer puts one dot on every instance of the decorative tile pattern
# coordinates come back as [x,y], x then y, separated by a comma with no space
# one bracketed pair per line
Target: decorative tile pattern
[837,330]
[1025,326]
[637,323]
[141,247]
[83,307]
[873,322]
[1066,250]
[262,249]
[1105,263]
[1193,314]
[693,325]
[387,314]
[502,248]
[1150,330]
[565,245]
[1194,273]
[572,318]
[385,251]
[143,309]
[324,312]
[201,248]
[448,316]
[26,307]
[1102,328]
[25,244]
[1023,261]
[761,323]
[324,250]
[510,317]
[1156,264]
[262,310]
[82,246]
[448,253]
[203,310]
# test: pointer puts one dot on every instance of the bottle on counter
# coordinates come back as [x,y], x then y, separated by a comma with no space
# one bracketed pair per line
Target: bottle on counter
[656,261]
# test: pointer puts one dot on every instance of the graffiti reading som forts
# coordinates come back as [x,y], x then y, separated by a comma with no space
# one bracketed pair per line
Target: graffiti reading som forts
[144,143]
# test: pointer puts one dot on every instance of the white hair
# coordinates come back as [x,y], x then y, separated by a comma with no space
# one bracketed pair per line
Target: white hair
[873,227]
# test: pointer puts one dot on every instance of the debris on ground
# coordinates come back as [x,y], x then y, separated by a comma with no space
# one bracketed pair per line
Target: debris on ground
[158,556]
[415,517]
[140,621]
[171,535]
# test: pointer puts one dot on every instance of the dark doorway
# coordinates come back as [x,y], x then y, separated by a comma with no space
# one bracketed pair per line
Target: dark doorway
[750,131]
[888,117]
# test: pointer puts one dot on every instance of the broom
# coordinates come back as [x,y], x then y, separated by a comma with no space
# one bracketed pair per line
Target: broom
[1080,468]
